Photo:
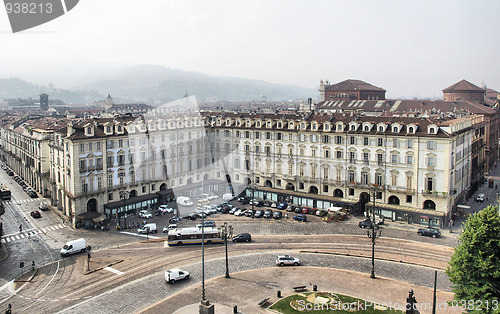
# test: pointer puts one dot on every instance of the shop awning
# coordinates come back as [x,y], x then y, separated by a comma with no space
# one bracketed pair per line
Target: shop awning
[430,212]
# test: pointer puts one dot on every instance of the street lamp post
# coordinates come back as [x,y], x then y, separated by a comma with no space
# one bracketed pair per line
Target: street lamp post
[374,233]
[124,196]
[227,232]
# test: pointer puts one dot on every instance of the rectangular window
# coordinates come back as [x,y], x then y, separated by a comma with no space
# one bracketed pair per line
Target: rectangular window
[268,135]
[394,180]
[257,135]
[395,143]
[279,136]
[339,154]
[431,161]
[327,153]
[99,183]
[380,159]
[431,145]
[325,188]
[110,196]
[83,165]
[338,139]
[290,169]
[109,161]
[364,178]
[366,158]
[84,187]
[90,147]
[82,147]
[338,175]
[380,142]
[408,198]
[410,144]
[409,160]
[394,159]
[378,179]
[352,176]
[110,180]
[351,192]
[352,140]
[430,184]
[366,141]
[352,157]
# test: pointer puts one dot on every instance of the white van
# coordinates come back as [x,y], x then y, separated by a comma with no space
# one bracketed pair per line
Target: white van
[227,197]
[151,226]
[184,201]
[73,247]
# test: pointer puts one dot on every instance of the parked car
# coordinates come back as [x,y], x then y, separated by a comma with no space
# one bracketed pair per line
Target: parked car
[148,228]
[166,209]
[292,208]
[430,232]
[283,260]
[233,210]
[36,214]
[191,216]
[177,219]
[300,217]
[266,203]
[32,194]
[173,275]
[242,237]
[43,206]
[212,196]
[169,227]
[250,213]
[206,223]
[259,214]
[145,214]
[274,204]
[238,212]
[366,224]
[480,197]
[282,205]
[298,210]
[278,215]
[312,211]
[268,214]
[321,213]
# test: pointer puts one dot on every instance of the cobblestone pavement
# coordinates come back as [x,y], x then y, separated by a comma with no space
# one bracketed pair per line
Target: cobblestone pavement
[139,294]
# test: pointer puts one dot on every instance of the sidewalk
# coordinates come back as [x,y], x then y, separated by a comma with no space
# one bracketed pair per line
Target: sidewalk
[246,289]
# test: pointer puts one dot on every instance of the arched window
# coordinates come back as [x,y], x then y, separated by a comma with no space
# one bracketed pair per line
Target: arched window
[381,129]
[431,130]
[367,128]
[108,129]
[410,130]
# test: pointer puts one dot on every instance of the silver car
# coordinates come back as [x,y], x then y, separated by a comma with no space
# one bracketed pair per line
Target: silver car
[283,260]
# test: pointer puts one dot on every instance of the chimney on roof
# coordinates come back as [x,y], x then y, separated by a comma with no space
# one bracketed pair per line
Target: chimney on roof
[70,131]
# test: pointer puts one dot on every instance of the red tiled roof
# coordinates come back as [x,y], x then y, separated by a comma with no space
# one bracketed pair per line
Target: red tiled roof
[352,85]
[463,86]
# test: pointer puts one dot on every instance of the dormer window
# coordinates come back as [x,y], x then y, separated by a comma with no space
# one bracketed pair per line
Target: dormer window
[367,128]
[238,123]
[108,129]
[228,122]
[303,126]
[410,130]
[290,125]
[314,126]
[353,127]
[339,127]
[119,128]
[432,131]
[257,124]
[381,129]
[280,125]
[268,124]
[395,129]
[326,127]
[248,123]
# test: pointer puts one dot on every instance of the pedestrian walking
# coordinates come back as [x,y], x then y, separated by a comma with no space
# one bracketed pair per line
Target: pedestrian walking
[20,228]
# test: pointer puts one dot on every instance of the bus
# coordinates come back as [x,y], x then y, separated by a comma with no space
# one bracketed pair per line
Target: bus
[182,236]
[4,193]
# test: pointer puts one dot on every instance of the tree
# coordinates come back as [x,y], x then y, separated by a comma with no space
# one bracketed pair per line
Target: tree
[474,267]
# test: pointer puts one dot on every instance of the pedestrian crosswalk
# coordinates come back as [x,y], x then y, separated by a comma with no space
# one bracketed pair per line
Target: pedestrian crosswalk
[29,233]
[28,200]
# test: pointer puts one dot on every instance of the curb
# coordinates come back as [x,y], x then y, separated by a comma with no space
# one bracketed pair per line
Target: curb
[4,253]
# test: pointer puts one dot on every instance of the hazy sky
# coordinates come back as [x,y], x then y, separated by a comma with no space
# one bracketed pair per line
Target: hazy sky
[410,48]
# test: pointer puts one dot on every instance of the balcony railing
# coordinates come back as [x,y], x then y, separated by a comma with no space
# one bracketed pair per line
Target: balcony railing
[429,193]
[400,189]
[90,168]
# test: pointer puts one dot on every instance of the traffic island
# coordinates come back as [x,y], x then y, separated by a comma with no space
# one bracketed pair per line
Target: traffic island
[326,302]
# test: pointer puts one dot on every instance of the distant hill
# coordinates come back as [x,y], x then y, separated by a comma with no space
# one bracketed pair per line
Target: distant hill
[157,84]
[161,83]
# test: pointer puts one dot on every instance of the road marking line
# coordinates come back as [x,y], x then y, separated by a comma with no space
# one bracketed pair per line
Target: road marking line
[116,271]
[7,239]
[3,241]
[22,236]
[165,244]
[17,237]
[140,235]
[51,228]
